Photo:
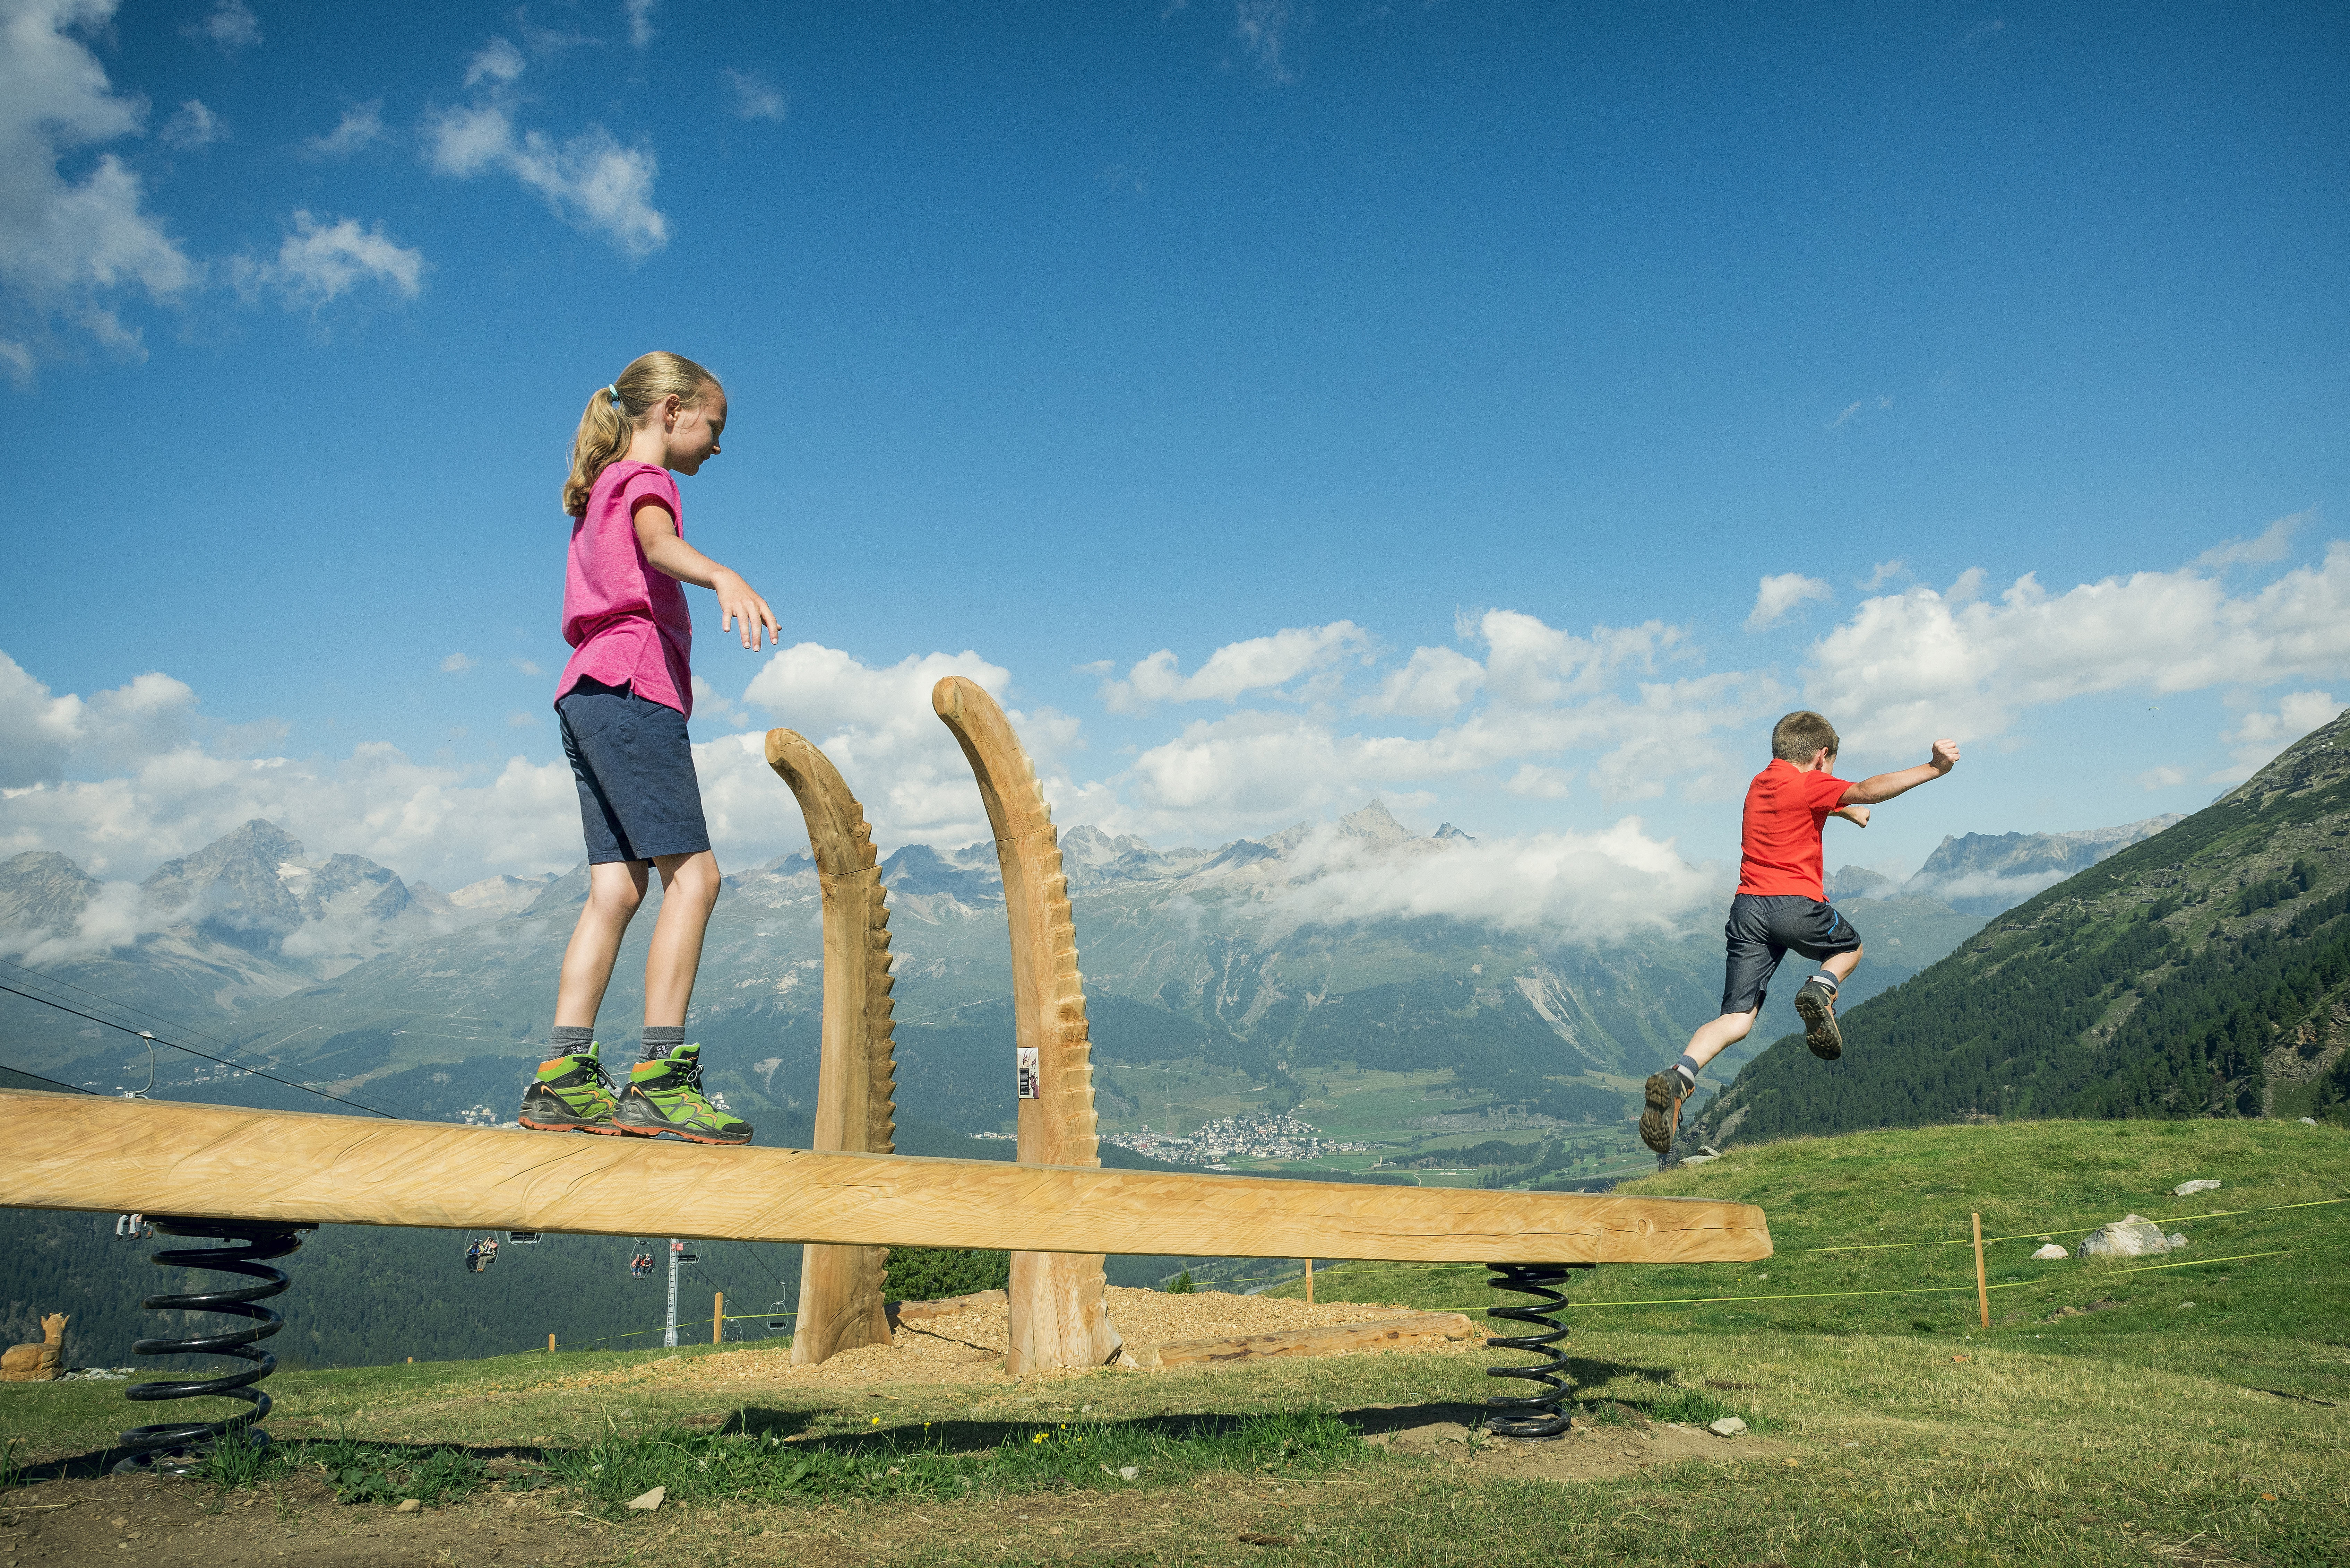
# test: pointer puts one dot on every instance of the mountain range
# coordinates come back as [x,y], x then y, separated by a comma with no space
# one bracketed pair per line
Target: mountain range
[335,973]
[1986,872]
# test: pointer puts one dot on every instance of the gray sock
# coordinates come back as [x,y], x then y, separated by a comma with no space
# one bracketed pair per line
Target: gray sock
[567,1040]
[660,1039]
[1825,978]
[1686,1066]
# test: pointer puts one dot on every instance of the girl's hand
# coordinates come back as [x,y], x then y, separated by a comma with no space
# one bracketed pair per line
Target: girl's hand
[735,600]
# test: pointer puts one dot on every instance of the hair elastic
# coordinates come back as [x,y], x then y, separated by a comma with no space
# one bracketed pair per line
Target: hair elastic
[614,393]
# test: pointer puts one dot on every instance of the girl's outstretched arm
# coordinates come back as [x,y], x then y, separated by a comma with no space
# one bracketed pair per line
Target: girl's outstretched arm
[657,532]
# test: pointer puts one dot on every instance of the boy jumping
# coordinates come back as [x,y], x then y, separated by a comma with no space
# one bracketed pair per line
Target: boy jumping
[1782,906]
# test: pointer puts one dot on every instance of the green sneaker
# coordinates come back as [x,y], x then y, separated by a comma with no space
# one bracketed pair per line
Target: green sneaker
[572,1094]
[664,1096]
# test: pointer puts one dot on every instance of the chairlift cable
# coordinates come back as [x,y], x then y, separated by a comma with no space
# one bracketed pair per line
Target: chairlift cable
[255,1072]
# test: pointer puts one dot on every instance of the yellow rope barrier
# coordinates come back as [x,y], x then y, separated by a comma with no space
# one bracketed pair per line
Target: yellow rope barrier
[2039,1235]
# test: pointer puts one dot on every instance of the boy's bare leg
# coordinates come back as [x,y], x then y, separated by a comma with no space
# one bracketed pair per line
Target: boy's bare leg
[614,888]
[690,888]
[1660,1115]
[1712,1039]
[1815,1005]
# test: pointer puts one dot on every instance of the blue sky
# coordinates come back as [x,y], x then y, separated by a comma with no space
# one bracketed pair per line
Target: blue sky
[1497,355]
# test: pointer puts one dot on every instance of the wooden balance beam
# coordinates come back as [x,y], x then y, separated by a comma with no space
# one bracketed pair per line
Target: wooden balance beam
[161,1157]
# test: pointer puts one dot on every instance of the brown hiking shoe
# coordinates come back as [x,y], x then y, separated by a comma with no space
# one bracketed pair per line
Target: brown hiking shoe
[1660,1118]
[1815,1005]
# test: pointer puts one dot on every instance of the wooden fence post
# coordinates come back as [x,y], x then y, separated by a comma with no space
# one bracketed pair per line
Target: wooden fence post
[550,1345]
[1982,1291]
[1309,1282]
[717,1315]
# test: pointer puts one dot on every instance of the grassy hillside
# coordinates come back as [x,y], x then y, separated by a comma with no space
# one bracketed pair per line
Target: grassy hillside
[2202,972]
[1871,1235]
[1883,1428]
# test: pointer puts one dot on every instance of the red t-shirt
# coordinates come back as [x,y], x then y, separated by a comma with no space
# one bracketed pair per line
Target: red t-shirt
[1779,849]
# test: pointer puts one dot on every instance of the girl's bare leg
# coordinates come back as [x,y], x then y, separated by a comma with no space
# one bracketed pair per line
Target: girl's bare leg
[689,891]
[614,888]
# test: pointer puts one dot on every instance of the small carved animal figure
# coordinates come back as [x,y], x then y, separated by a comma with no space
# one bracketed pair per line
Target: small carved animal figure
[37,1362]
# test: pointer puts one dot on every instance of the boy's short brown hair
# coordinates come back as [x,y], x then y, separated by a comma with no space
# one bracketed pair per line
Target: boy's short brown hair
[1797,736]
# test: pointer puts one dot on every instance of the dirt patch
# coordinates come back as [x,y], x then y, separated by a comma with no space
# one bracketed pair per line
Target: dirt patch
[1592,1451]
[1229,1517]
[149,1519]
[968,1346]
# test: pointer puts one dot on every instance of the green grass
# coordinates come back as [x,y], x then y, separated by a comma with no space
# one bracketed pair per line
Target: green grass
[1908,1196]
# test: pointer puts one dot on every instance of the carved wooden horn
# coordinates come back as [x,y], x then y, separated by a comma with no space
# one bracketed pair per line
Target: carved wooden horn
[1058,1318]
[841,1287]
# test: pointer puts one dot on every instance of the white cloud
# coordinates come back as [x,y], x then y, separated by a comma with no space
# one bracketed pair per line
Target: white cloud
[1882,400]
[193,126]
[71,250]
[116,916]
[2162,777]
[755,98]
[361,126]
[1581,886]
[1538,783]
[1906,667]
[126,778]
[1258,663]
[590,181]
[1776,597]
[1884,572]
[457,664]
[1266,29]
[877,725]
[2261,734]
[1549,692]
[1437,684]
[2270,545]
[230,27]
[526,666]
[1984,29]
[320,261]
[497,62]
[641,23]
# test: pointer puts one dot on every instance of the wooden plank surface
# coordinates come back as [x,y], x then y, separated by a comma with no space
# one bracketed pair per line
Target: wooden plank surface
[107,1156]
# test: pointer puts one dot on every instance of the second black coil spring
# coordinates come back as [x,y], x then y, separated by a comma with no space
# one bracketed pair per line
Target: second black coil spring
[1533,1415]
[174,1444]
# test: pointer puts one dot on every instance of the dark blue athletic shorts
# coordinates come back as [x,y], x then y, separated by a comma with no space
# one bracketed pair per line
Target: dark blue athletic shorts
[639,796]
[1762,928]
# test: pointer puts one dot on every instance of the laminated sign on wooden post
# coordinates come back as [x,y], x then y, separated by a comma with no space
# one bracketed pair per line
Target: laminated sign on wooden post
[1057,1315]
[841,1287]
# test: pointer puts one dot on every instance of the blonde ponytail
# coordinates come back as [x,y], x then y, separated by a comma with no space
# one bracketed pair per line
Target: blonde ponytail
[609,420]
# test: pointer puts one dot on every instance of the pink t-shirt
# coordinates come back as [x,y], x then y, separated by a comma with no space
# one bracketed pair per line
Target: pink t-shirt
[626,617]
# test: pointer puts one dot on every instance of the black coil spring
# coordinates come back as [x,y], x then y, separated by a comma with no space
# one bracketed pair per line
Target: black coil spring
[173,1445]
[1533,1415]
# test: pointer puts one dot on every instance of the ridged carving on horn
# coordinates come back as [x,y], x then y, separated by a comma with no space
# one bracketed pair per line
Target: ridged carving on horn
[841,1288]
[1058,1316]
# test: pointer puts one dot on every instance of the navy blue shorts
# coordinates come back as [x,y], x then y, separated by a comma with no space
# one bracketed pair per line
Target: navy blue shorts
[639,796]
[1762,928]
